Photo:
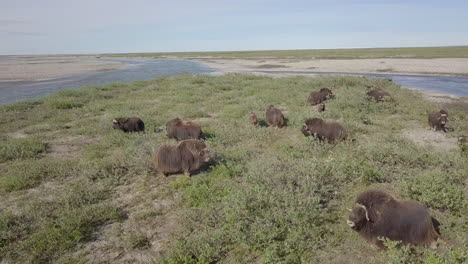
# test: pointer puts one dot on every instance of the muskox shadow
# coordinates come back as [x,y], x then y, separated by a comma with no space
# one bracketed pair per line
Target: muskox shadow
[207,135]
[262,123]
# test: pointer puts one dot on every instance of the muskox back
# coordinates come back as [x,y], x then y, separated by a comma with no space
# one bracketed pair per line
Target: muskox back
[322,130]
[438,119]
[187,156]
[274,117]
[378,214]
[180,130]
[129,124]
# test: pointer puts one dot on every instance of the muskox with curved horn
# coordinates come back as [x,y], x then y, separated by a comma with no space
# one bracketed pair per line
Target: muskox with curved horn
[322,130]
[129,124]
[378,215]
[438,119]
[180,129]
[187,156]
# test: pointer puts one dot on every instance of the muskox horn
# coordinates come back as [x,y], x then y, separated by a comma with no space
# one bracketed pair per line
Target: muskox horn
[349,209]
[443,115]
[350,223]
[114,121]
[365,209]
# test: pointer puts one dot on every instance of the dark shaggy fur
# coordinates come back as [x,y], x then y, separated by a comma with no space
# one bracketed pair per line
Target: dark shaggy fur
[180,130]
[129,124]
[187,156]
[438,120]
[379,95]
[320,96]
[274,117]
[398,220]
[322,130]
[253,119]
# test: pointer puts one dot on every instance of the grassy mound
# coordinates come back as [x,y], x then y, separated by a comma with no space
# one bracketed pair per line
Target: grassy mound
[75,190]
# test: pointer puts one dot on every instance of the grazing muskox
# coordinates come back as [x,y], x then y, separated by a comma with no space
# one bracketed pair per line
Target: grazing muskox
[320,96]
[438,119]
[379,95]
[129,124]
[187,156]
[322,130]
[377,215]
[253,119]
[179,129]
[274,117]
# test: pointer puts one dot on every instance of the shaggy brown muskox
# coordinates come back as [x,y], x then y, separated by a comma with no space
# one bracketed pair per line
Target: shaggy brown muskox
[129,124]
[438,119]
[179,129]
[322,130]
[377,215]
[274,117]
[253,119]
[379,95]
[187,156]
[320,96]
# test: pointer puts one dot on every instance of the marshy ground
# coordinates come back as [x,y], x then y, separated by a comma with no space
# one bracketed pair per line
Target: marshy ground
[74,190]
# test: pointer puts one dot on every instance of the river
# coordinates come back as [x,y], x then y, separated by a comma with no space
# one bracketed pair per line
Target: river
[145,69]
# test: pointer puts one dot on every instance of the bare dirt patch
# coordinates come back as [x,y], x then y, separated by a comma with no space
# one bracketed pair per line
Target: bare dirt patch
[435,140]
[150,217]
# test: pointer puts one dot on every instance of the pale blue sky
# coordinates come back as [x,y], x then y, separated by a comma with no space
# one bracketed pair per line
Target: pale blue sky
[98,26]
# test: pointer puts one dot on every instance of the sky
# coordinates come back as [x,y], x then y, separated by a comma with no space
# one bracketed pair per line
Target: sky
[116,26]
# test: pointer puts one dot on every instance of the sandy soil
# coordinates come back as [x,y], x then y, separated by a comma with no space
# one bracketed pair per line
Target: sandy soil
[27,68]
[448,66]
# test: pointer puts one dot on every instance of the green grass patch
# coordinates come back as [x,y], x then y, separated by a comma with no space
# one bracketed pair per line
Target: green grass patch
[270,195]
[20,148]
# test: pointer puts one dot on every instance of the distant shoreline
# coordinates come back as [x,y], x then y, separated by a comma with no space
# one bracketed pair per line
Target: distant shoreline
[38,68]
[434,67]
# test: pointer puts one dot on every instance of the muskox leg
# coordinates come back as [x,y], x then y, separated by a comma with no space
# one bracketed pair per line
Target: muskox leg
[433,245]
[187,173]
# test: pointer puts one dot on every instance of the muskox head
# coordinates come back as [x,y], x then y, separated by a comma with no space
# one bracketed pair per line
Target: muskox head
[311,123]
[117,123]
[358,217]
[328,93]
[443,117]
[321,107]
[205,155]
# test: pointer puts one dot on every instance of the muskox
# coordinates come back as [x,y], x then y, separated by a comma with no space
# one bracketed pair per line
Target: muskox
[253,119]
[274,117]
[180,130]
[378,215]
[320,107]
[379,95]
[187,156]
[320,96]
[438,119]
[129,124]
[322,130]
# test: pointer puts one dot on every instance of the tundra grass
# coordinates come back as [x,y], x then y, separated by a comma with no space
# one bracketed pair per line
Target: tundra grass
[74,190]
[363,53]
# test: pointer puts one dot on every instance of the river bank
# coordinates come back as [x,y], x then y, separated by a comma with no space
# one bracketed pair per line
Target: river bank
[30,68]
[440,66]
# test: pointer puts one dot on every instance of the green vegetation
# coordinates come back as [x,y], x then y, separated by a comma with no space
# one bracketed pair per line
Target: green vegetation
[368,53]
[74,190]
